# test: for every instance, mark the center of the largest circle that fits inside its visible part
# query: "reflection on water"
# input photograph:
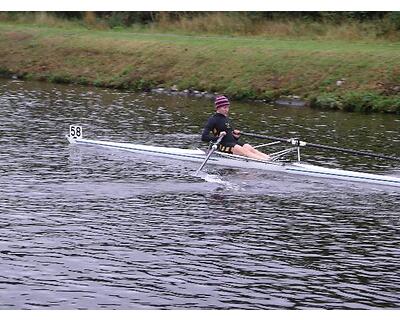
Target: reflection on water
(100, 229)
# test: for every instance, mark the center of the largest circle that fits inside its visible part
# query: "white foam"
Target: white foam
(215, 178)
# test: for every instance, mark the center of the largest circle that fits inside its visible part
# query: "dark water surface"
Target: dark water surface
(91, 228)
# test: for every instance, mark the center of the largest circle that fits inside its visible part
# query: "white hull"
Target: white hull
(242, 162)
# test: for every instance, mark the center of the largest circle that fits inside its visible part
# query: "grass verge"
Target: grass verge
(350, 76)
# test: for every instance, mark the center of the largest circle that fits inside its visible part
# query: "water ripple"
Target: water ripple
(86, 228)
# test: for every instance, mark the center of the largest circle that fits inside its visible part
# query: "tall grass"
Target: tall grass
(230, 23)
(39, 19)
(47, 19)
(235, 24)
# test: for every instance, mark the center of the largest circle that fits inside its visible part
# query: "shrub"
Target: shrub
(326, 101)
(59, 78)
(370, 102)
(4, 72)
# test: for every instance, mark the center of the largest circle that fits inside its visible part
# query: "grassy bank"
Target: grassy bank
(352, 76)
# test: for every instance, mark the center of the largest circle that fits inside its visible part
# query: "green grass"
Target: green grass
(242, 67)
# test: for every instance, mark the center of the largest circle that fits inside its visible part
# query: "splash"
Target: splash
(215, 178)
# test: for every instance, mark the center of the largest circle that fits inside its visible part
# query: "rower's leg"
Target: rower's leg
(255, 151)
(246, 152)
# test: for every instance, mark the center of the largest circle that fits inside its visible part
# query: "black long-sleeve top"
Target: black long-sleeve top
(216, 124)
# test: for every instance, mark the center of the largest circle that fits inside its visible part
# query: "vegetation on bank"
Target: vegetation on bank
(350, 25)
(330, 74)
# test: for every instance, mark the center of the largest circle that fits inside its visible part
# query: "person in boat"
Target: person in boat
(220, 125)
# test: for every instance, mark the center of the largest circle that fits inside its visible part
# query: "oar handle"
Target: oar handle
(216, 143)
(320, 146)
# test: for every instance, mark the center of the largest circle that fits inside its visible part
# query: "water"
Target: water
(89, 228)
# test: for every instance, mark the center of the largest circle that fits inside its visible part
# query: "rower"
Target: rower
(219, 124)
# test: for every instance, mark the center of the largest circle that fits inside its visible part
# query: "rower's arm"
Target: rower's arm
(207, 134)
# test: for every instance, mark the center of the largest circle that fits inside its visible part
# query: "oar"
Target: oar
(320, 146)
(213, 148)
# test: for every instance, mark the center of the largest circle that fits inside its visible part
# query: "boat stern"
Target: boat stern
(75, 133)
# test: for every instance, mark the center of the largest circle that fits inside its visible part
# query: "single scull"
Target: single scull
(227, 160)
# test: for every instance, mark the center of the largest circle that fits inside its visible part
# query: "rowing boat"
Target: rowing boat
(228, 160)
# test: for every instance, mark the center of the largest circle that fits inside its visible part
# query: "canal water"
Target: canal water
(90, 228)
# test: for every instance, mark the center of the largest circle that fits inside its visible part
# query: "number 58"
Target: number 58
(75, 131)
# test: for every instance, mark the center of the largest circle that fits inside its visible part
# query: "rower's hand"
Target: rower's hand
(222, 134)
(236, 133)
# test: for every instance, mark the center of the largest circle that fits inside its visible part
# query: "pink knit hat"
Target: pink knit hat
(221, 101)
